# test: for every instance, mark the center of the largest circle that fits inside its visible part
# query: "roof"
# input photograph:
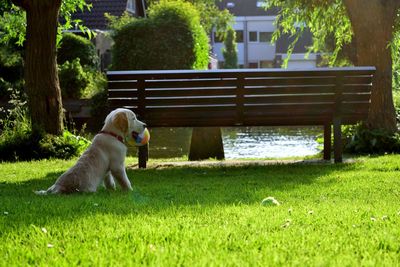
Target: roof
(246, 7)
(95, 19)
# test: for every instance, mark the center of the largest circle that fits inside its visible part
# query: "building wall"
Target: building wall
(301, 61)
(258, 54)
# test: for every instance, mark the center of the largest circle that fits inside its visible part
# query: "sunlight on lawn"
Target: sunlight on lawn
(330, 214)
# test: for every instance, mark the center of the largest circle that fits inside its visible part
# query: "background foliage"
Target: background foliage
(210, 15)
(73, 79)
(230, 50)
(74, 46)
(170, 38)
(327, 20)
(20, 142)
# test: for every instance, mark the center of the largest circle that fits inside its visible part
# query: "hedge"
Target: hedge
(170, 38)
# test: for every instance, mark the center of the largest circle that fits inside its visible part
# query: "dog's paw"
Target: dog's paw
(41, 192)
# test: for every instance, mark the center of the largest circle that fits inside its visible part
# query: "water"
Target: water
(242, 142)
(270, 142)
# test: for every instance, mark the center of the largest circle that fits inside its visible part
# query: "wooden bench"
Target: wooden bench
(246, 97)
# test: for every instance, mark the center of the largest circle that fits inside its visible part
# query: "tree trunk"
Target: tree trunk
(206, 143)
(372, 23)
(41, 77)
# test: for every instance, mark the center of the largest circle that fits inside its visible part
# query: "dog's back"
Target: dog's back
(87, 173)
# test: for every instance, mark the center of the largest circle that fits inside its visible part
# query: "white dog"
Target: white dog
(104, 159)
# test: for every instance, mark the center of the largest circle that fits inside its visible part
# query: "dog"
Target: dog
(104, 159)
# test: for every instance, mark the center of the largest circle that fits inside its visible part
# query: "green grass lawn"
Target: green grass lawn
(330, 215)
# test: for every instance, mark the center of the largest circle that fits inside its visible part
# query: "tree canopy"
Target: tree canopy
(13, 19)
(35, 25)
(210, 15)
(359, 31)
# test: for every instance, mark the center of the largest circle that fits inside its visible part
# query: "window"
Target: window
(130, 6)
(253, 65)
(239, 36)
(261, 4)
(265, 37)
(266, 64)
(253, 37)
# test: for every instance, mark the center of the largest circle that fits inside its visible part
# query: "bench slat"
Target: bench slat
(190, 92)
(122, 84)
(133, 93)
(189, 84)
(253, 121)
(177, 74)
(185, 101)
(129, 93)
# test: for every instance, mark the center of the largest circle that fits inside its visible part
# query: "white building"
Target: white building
(254, 27)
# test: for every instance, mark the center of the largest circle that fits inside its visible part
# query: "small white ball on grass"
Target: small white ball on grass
(270, 201)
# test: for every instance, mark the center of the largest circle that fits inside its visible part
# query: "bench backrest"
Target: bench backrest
(243, 96)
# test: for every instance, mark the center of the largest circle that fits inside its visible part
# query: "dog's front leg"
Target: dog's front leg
(119, 174)
(109, 182)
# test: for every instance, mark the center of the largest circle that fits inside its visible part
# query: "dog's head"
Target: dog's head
(125, 121)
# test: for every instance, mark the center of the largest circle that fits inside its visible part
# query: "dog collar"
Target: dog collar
(119, 138)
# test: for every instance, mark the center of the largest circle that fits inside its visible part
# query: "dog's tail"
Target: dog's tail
(51, 190)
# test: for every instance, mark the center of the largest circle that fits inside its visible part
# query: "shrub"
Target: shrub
(63, 147)
(73, 47)
(34, 145)
(361, 140)
(19, 142)
(99, 108)
(171, 38)
(73, 79)
(97, 83)
(230, 50)
(11, 70)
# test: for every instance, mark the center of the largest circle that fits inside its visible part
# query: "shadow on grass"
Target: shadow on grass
(159, 190)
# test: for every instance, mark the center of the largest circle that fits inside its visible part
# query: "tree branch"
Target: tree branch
(21, 3)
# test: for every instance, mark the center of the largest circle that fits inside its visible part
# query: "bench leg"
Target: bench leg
(143, 156)
(337, 139)
(327, 141)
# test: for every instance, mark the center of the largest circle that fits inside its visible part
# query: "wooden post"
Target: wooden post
(337, 120)
(337, 141)
(206, 142)
(327, 141)
(143, 153)
(239, 100)
(143, 156)
(141, 87)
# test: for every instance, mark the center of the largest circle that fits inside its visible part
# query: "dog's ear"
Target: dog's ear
(120, 121)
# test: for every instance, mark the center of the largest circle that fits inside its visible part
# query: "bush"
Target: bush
(34, 145)
(63, 147)
(73, 79)
(230, 50)
(73, 47)
(11, 70)
(99, 108)
(171, 38)
(97, 83)
(19, 142)
(361, 140)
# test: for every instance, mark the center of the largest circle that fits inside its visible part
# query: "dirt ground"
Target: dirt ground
(230, 163)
